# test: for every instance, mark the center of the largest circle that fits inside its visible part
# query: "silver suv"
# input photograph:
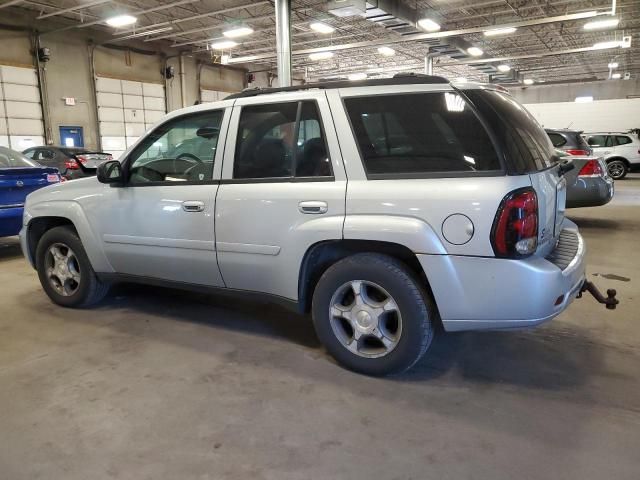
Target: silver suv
(621, 151)
(384, 208)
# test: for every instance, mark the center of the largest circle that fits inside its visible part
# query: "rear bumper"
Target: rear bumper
(474, 293)
(590, 192)
(10, 221)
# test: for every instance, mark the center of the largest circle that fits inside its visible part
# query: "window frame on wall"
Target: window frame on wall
(292, 177)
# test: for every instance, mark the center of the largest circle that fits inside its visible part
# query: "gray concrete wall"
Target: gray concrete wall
(603, 90)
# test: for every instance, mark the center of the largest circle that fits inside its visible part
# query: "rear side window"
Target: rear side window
(410, 135)
(622, 140)
(525, 142)
(557, 140)
(601, 141)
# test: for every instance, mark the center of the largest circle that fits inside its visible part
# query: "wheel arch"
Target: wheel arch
(617, 157)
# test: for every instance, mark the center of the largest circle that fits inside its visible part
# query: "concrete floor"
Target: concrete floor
(159, 384)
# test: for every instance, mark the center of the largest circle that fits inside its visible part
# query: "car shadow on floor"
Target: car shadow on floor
(9, 248)
(547, 358)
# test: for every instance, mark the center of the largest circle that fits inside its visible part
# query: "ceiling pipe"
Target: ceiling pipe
(71, 9)
(10, 3)
(425, 36)
(283, 41)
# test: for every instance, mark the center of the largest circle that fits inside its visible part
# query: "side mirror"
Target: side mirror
(110, 172)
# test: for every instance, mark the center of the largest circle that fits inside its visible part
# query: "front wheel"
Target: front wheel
(617, 169)
(372, 314)
(64, 270)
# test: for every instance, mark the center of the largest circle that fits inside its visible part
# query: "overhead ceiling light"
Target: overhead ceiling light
(503, 68)
(428, 25)
(601, 24)
(320, 55)
(474, 51)
(121, 21)
(613, 65)
(460, 80)
(223, 45)
(528, 81)
(605, 45)
(357, 76)
(616, 76)
(586, 99)
(386, 51)
(499, 31)
(322, 27)
(239, 31)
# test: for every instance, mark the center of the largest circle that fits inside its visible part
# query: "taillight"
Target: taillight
(71, 164)
(591, 169)
(82, 159)
(577, 152)
(515, 229)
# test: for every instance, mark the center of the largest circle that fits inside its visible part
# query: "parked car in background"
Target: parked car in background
(588, 184)
(569, 141)
(19, 176)
(71, 162)
(620, 150)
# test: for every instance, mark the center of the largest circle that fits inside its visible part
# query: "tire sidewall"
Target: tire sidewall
(624, 166)
(413, 310)
(87, 276)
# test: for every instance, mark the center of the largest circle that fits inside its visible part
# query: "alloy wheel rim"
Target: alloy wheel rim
(365, 318)
(615, 170)
(62, 269)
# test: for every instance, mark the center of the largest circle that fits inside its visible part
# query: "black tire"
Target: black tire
(617, 169)
(89, 290)
(415, 306)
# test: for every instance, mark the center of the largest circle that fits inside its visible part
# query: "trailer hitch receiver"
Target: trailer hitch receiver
(610, 300)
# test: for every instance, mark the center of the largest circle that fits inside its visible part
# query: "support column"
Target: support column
(428, 64)
(283, 41)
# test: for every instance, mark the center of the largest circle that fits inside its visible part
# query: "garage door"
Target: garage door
(126, 109)
(20, 110)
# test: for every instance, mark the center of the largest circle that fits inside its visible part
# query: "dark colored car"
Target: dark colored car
(19, 176)
(71, 162)
(569, 141)
(588, 184)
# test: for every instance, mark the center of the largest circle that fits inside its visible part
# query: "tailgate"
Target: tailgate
(17, 183)
(551, 190)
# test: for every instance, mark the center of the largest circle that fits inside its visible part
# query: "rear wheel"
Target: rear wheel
(372, 314)
(64, 270)
(617, 169)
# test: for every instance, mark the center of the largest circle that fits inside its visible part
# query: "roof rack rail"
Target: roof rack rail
(398, 79)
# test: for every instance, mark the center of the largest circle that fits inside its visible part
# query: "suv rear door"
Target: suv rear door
(282, 190)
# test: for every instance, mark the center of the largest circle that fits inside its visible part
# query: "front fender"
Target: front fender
(72, 211)
(413, 233)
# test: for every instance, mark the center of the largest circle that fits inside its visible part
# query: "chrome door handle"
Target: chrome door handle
(193, 206)
(313, 207)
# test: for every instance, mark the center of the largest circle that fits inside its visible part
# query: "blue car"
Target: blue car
(19, 176)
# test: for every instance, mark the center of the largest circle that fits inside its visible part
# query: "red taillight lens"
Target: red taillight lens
(591, 169)
(577, 152)
(515, 228)
(82, 159)
(71, 164)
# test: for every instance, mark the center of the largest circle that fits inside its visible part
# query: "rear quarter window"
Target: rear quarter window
(420, 134)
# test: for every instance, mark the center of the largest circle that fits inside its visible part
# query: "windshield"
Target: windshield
(525, 142)
(12, 159)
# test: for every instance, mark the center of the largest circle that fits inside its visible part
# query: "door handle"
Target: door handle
(193, 206)
(313, 207)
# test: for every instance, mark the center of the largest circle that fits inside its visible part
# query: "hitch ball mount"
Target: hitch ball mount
(610, 301)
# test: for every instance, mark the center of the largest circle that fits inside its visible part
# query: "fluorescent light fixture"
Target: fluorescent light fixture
(454, 102)
(320, 55)
(503, 68)
(224, 59)
(616, 76)
(499, 31)
(239, 31)
(613, 65)
(357, 76)
(585, 99)
(605, 45)
(223, 45)
(474, 51)
(121, 21)
(461, 80)
(386, 51)
(428, 25)
(528, 81)
(322, 27)
(601, 24)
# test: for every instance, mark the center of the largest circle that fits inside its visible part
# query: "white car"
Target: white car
(383, 208)
(621, 151)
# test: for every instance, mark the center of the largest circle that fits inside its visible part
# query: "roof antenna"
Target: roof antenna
(569, 126)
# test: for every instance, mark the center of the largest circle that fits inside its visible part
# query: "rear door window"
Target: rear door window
(413, 135)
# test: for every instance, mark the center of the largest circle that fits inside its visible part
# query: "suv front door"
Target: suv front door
(283, 189)
(160, 224)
